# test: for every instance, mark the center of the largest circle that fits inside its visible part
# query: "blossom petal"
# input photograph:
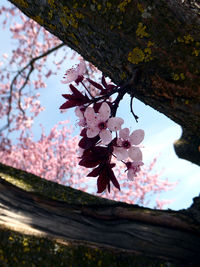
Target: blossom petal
(130, 174)
(81, 68)
(73, 73)
(114, 124)
(124, 133)
(105, 136)
(104, 111)
(79, 113)
(90, 116)
(135, 153)
(92, 132)
(70, 76)
(120, 153)
(136, 137)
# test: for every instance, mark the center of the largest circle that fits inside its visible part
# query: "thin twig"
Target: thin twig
(120, 96)
(87, 90)
(131, 107)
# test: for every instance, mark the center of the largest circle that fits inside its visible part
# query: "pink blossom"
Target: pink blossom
(79, 111)
(75, 74)
(98, 123)
(126, 145)
(133, 168)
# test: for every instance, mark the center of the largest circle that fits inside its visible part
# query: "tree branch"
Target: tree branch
(29, 66)
(80, 218)
(159, 38)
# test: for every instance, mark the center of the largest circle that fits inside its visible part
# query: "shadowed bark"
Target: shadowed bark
(158, 40)
(33, 209)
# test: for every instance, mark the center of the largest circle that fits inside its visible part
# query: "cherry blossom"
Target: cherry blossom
(79, 111)
(133, 168)
(101, 124)
(126, 145)
(75, 73)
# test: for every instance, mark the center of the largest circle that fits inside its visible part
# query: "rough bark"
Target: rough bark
(160, 40)
(37, 215)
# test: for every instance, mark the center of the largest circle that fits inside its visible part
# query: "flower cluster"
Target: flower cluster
(99, 124)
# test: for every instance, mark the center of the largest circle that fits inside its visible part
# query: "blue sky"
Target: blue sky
(160, 133)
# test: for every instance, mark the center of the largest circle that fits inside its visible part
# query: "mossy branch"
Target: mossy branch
(159, 38)
(66, 219)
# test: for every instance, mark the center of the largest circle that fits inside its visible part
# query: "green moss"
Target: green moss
(79, 15)
(38, 19)
(32, 183)
(70, 17)
(64, 22)
(21, 3)
(52, 3)
(17, 249)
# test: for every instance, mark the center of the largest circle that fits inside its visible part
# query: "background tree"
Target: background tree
(153, 46)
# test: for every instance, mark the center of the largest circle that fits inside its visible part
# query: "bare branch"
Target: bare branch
(131, 107)
(30, 65)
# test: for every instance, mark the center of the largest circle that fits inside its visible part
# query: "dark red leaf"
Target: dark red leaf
(103, 80)
(68, 104)
(94, 156)
(71, 104)
(109, 187)
(66, 96)
(83, 132)
(76, 94)
(89, 163)
(102, 152)
(102, 182)
(87, 143)
(97, 85)
(74, 99)
(75, 91)
(89, 159)
(113, 179)
(95, 172)
(97, 106)
(111, 87)
(79, 79)
(112, 165)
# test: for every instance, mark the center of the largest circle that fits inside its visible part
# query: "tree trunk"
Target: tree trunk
(37, 216)
(159, 40)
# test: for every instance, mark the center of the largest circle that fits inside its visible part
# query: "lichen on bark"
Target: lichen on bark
(159, 39)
